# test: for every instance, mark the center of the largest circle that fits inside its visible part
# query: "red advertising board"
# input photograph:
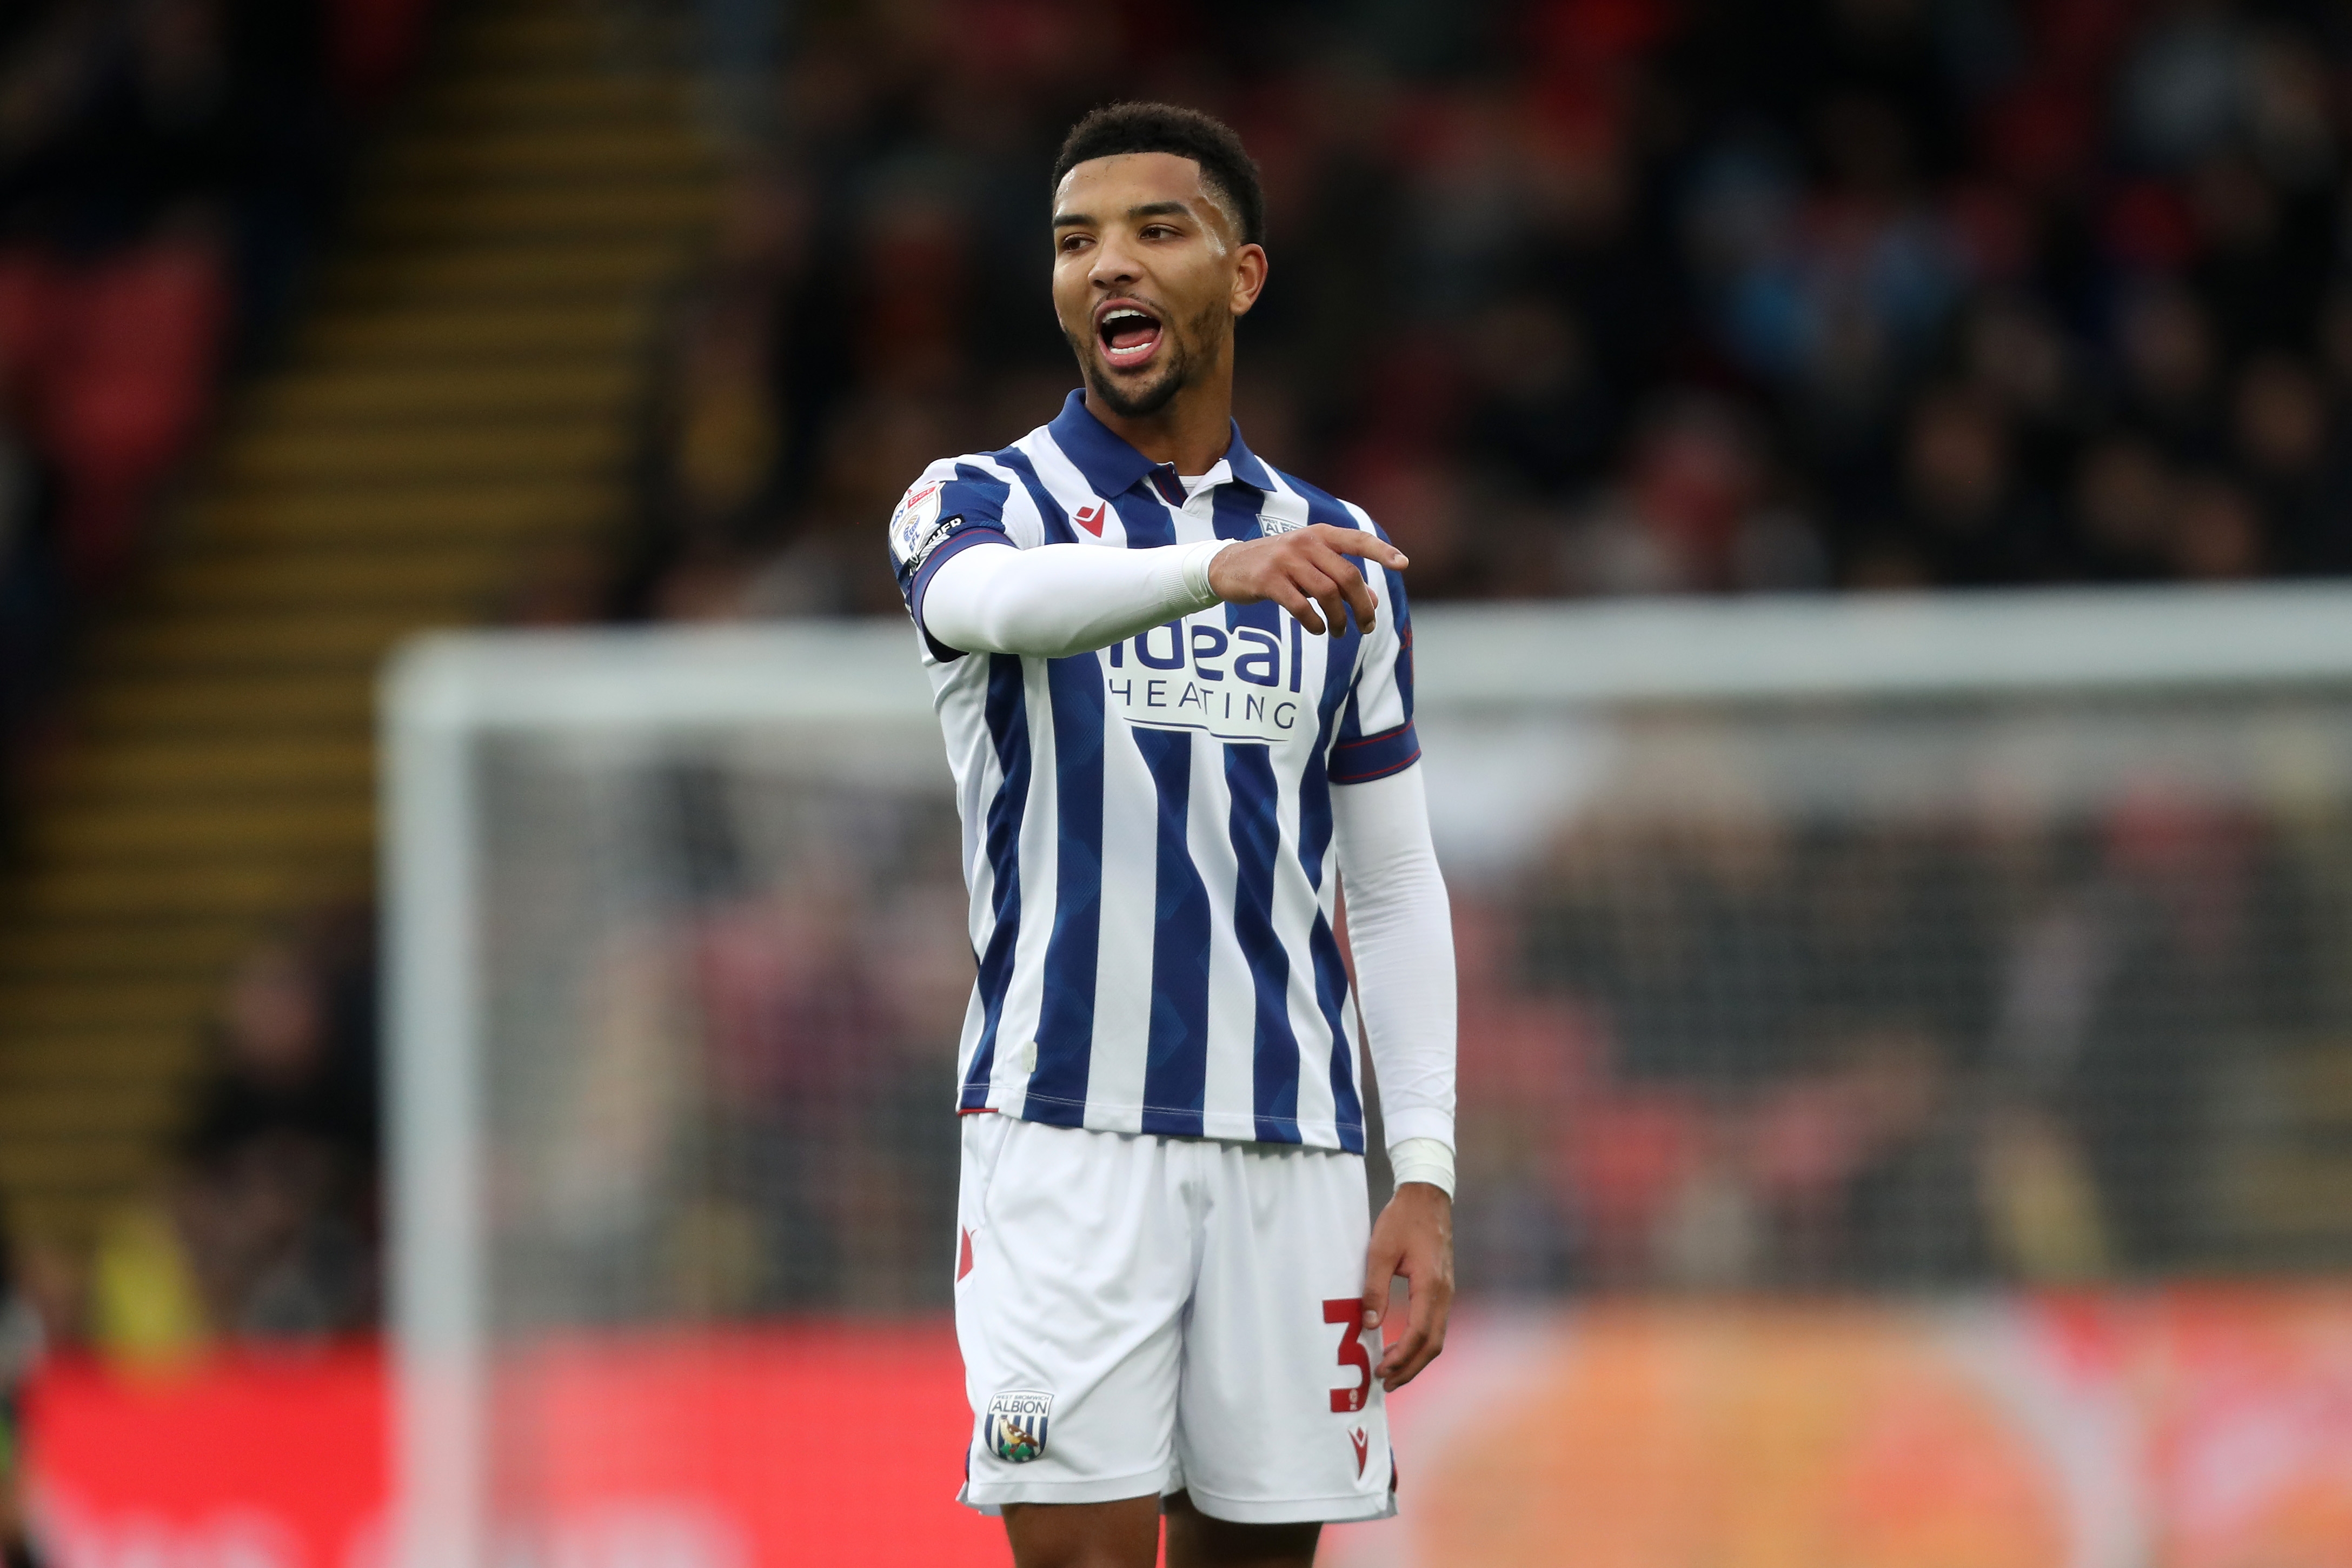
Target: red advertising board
(275, 1461)
(2183, 1429)
(797, 1444)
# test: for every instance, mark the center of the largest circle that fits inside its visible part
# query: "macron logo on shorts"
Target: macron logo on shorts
(1016, 1425)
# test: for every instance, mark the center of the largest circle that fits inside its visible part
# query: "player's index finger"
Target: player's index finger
(1364, 542)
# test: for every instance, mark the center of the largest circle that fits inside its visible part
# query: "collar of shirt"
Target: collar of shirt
(1113, 468)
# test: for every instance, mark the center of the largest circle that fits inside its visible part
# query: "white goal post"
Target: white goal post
(1497, 679)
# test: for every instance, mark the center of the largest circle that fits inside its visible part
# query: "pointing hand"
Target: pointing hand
(1303, 569)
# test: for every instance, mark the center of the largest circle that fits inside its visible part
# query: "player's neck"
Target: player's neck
(1192, 431)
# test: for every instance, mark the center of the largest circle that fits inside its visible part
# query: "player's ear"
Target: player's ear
(1249, 276)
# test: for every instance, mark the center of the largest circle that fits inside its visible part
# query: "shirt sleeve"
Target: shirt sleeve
(1062, 599)
(954, 507)
(1401, 931)
(1376, 736)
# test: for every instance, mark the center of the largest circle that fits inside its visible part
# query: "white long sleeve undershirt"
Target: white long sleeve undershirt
(1056, 600)
(1401, 930)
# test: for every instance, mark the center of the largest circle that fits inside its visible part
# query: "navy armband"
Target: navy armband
(1371, 757)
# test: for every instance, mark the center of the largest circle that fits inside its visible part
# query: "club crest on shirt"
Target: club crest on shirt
(916, 529)
(1015, 1429)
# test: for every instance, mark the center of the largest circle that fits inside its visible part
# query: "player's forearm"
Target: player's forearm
(1061, 599)
(1400, 929)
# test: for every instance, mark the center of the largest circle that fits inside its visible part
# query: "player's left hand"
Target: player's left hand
(1413, 1241)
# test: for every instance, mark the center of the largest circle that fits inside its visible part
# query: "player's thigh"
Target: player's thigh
(1073, 1266)
(1123, 1534)
(1280, 1420)
(1197, 1541)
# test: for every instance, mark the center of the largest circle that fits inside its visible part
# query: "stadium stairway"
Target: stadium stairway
(456, 405)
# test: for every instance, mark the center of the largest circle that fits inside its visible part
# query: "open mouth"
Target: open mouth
(1130, 333)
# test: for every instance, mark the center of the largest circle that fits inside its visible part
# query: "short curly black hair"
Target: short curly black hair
(1227, 170)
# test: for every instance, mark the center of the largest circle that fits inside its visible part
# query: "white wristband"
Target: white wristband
(1196, 561)
(1422, 1160)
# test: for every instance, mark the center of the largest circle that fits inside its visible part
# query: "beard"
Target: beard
(1178, 370)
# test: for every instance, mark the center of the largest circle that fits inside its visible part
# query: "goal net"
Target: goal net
(1805, 945)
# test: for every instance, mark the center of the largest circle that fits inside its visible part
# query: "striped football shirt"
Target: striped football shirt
(1147, 830)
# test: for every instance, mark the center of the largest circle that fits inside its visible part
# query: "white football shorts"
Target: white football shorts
(1144, 1315)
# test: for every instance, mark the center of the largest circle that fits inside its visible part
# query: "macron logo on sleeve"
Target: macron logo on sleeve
(1090, 518)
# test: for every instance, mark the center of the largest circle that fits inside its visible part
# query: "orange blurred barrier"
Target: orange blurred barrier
(2186, 1428)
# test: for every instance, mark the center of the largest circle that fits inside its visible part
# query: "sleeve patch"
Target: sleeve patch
(917, 528)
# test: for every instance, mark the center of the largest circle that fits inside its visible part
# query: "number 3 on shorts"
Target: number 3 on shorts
(1348, 1314)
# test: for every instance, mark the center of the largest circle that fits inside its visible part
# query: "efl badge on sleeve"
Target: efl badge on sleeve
(915, 530)
(1016, 1425)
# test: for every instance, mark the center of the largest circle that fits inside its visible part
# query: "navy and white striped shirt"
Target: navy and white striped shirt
(1148, 830)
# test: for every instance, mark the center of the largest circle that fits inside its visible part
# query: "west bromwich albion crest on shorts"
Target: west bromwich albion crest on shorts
(1016, 1425)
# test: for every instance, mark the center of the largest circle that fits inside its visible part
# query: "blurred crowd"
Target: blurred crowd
(735, 1101)
(167, 171)
(1578, 295)
(1700, 1049)
(1744, 1053)
(266, 1221)
(1736, 1042)
(167, 168)
(276, 1200)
